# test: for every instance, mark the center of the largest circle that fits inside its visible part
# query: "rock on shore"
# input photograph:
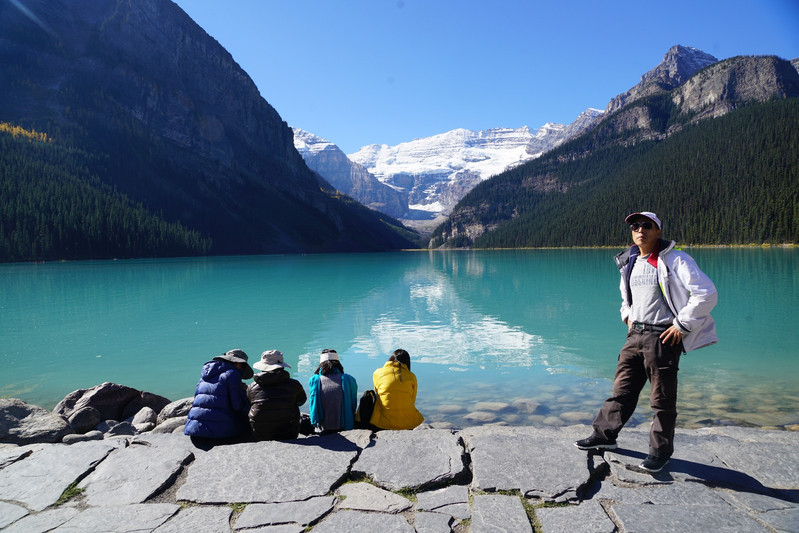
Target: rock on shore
(480, 479)
(106, 410)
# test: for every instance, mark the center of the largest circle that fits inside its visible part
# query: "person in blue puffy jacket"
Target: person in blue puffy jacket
(220, 406)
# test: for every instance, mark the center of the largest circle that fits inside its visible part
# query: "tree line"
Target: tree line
(729, 180)
(53, 207)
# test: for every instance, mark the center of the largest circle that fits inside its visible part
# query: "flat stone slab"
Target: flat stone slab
(717, 518)
(283, 528)
(418, 459)
(715, 459)
(120, 519)
(495, 512)
(198, 520)
(361, 521)
(11, 453)
(452, 501)
(782, 520)
(678, 493)
(432, 523)
(540, 462)
(10, 513)
(366, 497)
(434, 499)
(133, 474)
(44, 521)
(760, 455)
(39, 479)
(302, 513)
(588, 517)
(268, 471)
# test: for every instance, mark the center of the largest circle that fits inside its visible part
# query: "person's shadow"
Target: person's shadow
(714, 476)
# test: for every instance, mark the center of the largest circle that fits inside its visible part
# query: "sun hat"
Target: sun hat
(646, 214)
(237, 356)
(328, 355)
(271, 360)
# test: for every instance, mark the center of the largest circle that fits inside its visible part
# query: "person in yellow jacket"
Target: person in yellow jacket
(396, 387)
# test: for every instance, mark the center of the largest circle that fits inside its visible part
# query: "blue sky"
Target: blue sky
(387, 71)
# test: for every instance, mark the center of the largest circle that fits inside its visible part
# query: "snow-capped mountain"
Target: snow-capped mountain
(352, 179)
(436, 172)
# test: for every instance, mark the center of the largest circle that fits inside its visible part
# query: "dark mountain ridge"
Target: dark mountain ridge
(516, 207)
(178, 125)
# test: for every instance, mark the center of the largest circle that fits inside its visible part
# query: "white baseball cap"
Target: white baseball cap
(646, 214)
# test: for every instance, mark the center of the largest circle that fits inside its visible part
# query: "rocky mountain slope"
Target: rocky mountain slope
(349, 177)
(173, 122)
(679, 64)
(603, 168)
(711, 92)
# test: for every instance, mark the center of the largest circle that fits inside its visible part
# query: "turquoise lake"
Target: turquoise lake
(522, 337)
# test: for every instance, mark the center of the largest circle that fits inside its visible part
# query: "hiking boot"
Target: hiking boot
(654, 464)
(596, 443)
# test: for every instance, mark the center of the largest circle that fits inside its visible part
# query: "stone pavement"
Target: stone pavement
(487, 478)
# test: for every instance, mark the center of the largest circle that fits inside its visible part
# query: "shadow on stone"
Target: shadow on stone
(708, 474)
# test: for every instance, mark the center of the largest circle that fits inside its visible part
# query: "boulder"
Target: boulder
(21, 423)
(85, 419)
(144, 420)
(121, 429)
(145, 399)
(109, 399)
(170, 425)
(106, 425)
(76, 437)
(177, 408)
(144, 415)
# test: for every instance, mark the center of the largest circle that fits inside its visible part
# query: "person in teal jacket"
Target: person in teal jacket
(333, 395)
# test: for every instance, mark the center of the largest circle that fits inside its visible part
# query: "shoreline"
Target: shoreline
(596, 247)
(477, 479)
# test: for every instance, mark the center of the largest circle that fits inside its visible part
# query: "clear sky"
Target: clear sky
(361, 72)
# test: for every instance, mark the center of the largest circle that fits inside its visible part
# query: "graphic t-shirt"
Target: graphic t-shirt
(649, 306)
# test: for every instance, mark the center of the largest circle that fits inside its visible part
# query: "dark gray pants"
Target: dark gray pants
(644, 357)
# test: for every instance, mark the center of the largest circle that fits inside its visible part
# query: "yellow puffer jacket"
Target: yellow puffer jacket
(395, 386)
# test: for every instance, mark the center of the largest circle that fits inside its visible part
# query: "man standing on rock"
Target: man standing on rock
(666, 304)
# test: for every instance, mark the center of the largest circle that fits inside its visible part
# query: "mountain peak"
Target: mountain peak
(679, 64)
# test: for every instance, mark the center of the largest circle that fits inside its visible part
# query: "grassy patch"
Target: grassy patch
(530, 509)
(238, 507)
(70, 492)
(407, 493)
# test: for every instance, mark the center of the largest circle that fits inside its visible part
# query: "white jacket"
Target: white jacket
(689, 293)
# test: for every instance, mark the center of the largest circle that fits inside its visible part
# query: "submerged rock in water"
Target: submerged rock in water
(491, 406)
(480, 416)
(528, 405)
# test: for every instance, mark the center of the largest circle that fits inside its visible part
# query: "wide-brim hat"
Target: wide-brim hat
(237, 356)
(271, 360)
(646, 214)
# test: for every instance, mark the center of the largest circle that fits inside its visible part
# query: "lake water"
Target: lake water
(521, 337)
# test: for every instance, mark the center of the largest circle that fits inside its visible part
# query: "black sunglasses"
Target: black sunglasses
(645, 225)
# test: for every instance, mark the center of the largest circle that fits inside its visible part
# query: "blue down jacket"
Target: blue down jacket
(220, 406)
